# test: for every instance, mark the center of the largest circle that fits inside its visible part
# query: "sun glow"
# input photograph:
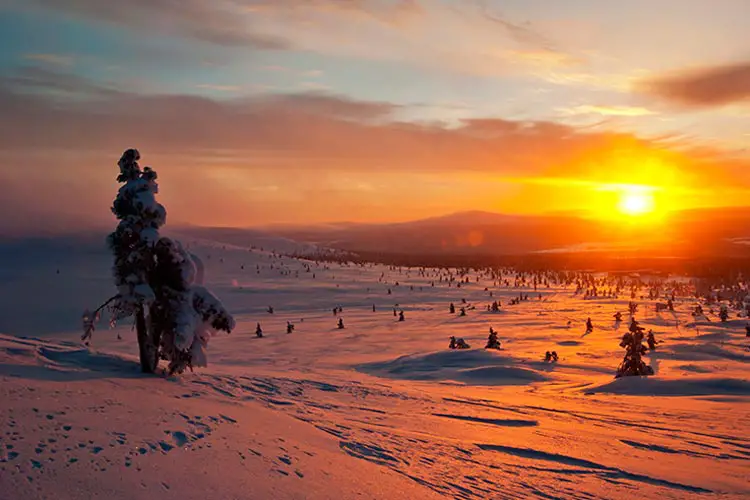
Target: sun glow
(636, 203)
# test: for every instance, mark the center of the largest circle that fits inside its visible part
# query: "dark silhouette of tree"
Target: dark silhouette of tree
(158, 281)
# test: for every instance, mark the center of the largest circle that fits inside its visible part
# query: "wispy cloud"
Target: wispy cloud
(703, 87)
(54, 59)
(545, 58)
(523, 33)
(315, 86)
(274, 68)
(223, 22)
(219, 88)
(309, 73)
(590, 80)
(220, 22)
(586, 183)
(467, 36)
(387, 11)
(51, 81)
(588, 109)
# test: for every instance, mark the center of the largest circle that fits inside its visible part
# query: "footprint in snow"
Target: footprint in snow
(165, 447)
(180, 438)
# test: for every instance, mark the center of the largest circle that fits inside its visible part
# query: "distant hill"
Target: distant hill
(697, 232)
(244, 238)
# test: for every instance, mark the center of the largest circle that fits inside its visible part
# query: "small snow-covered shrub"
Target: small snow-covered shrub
(633, 364)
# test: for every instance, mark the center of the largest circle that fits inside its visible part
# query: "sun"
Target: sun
(636, 203)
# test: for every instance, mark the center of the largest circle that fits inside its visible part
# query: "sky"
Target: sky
(257, 112)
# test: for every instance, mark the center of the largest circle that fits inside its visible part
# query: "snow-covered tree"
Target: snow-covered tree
(157, 281)
(633, 364)
(140, 217)
(185, 312)
(492, 341)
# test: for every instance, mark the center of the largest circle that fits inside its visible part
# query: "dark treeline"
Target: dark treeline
(715, 269)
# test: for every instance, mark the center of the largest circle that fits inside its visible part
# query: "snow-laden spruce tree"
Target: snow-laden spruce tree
(185, 312)
(156, 279)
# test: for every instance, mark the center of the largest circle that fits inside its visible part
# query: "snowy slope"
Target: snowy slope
(380, 409)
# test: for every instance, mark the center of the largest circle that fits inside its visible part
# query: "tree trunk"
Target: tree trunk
(155, 329)
(148, 345)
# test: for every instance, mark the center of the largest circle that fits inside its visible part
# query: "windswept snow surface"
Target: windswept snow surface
(380, 409)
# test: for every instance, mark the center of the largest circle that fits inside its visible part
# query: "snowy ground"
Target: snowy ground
(380, 409)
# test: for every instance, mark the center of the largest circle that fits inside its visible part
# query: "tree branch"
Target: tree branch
(109, 300)
(89, 322)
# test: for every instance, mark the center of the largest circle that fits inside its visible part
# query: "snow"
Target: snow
(475, 367)
(380, 409)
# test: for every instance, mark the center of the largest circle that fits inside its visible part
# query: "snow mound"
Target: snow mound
(693, 386)
(708, 352)
(63, 361)
(475, 367)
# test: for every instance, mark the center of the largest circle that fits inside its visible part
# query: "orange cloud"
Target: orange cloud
(712, 86)
(313, 156)
(309, 128)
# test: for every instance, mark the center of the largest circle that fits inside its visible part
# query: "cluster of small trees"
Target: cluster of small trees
(459, 343)
(158, 282)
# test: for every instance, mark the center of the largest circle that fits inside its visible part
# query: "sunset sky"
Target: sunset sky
(305, 111)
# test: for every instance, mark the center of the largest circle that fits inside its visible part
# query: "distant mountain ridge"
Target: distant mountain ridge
(690, 232)
(704, 232)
